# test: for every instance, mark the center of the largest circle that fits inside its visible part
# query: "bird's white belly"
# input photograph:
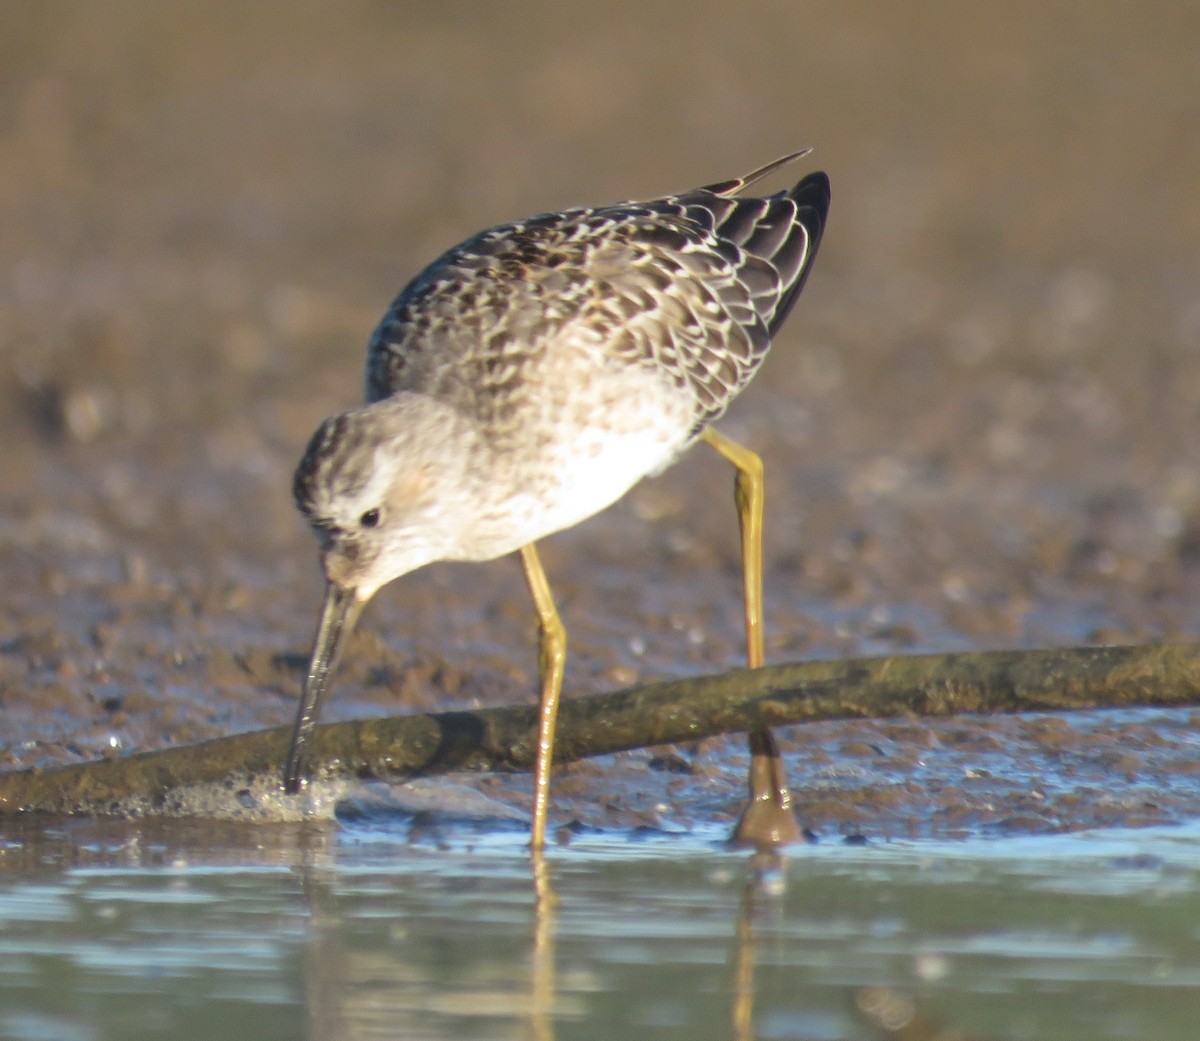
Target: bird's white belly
(580, 478)
(597, 469)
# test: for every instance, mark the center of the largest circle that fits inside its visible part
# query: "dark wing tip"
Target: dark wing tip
(813, 193)
(812, 196)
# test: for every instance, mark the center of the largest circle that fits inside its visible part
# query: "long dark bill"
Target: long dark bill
(341, 611)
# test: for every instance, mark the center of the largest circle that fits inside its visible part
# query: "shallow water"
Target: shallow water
(130, 931)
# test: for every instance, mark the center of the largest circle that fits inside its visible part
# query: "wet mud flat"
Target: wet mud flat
(979, 427)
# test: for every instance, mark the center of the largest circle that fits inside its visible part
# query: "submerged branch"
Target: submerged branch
(402, 747)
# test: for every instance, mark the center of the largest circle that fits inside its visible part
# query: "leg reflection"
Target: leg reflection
(541, 991)
(761, 893)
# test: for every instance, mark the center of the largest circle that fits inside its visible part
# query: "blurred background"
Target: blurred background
(979, 424)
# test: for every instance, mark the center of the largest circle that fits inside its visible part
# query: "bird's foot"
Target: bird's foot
(768, 820)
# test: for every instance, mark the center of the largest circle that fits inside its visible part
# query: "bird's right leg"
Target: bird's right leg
(768, 819)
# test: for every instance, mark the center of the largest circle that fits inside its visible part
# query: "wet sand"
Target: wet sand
(979, 425)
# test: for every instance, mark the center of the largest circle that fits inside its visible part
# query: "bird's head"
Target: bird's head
(378, 486)
(382, 487)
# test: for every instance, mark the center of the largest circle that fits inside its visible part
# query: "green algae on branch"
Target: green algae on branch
(403, 747)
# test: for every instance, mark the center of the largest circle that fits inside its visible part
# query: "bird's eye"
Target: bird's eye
(369, 519)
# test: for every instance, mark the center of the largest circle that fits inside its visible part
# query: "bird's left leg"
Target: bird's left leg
(768, 819)
(552, 656)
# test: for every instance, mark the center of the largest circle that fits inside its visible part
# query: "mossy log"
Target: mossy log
(403, 747)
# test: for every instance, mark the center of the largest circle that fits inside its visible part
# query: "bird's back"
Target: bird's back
(688, 290)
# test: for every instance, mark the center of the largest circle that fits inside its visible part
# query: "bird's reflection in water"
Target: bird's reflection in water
(760, 897)
(542, 986)
(897, 1018)
(361, 986)
(890, 1014)
(355, 988)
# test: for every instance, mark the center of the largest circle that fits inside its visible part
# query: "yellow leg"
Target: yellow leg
(748, 498)
(768, 819)
(552, 656)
